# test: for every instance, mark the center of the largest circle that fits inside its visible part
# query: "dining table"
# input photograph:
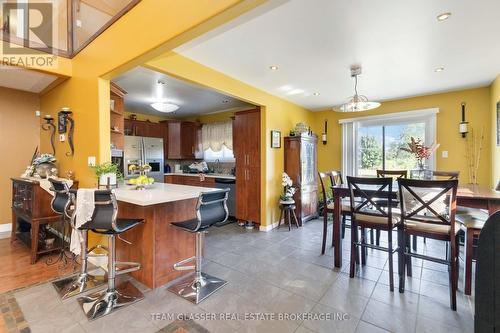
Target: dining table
(471, 196)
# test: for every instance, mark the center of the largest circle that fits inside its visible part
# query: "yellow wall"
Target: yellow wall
(144, 117)
(495, 151)
(277, 114)
(448, 118)
(18, 140)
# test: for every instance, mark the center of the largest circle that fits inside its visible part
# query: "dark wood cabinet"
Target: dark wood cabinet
(302, 166)
(31, 210)
(116, 116)
(144, 128)
(183, 140)
(246, 146)
(192, 180)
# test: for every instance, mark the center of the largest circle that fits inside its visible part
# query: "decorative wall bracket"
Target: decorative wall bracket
(49, 126)
(63, 120)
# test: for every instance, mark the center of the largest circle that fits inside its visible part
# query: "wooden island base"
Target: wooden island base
(156, 244)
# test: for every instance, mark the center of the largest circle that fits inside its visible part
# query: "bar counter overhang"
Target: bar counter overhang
(156, 244)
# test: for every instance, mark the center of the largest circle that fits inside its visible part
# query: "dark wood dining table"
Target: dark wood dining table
(472, 196)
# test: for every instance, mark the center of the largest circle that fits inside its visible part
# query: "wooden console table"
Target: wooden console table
(31, 206)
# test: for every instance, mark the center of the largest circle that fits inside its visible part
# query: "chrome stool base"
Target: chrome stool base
(104, 302)
(196, 290)
(77, 284)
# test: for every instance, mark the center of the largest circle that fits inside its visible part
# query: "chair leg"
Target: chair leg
(469, 238)
(401, 259)
(343, 225)
(453, 277)
(415, 243)
(377, 237)
(354, 250)
(391, 268)
(288, 214)
(363, 249)
(408, 258)
(325, 231)
(371, 237)
(295, 219)
(281, 216)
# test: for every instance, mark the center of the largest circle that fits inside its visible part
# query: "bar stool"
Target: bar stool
(287, 211)
(83, 281)
(60, 205)
(104, 221)
(210, 209)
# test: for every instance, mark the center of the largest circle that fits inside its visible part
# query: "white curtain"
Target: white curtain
(215, 135)
(348, 149)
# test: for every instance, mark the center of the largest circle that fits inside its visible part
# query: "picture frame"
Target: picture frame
(498, 123)
(275, 139)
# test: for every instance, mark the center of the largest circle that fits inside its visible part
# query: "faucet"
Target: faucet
(217, 166)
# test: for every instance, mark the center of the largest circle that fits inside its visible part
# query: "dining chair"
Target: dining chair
(445, 174)
(367, 212)
(392, 174)
(428, 209)
(335, 178)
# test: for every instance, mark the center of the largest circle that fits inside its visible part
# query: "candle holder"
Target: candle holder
(65, 119)
(49, 126)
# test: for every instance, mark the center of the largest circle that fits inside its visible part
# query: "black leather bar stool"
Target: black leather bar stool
(104, 221)
(83, 281)
(60, 204)
(211, 209)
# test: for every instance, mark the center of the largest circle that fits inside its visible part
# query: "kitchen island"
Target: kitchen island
(157, 245)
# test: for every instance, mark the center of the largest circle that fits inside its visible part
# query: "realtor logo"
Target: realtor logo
(27, 28)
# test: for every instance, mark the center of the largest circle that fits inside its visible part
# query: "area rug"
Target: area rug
(183, 326)
(12, 320)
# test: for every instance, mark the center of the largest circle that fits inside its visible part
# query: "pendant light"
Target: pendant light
(357, 102)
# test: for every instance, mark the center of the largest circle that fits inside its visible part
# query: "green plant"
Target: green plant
(107, 167)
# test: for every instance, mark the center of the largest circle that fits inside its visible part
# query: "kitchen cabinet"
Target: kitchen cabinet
(190, 180)
(184, 140)
(144, 128)
(302, 166)
(246, 146)
(116, 116)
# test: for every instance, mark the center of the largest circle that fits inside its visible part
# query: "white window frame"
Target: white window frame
(207, 157)
(351, 126)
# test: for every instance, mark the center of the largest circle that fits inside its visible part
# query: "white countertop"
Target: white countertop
(158, 193)
(210, 175)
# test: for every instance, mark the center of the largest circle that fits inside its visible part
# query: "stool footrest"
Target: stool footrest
(134, 266)
(180, 265)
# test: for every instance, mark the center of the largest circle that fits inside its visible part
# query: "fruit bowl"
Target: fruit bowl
(142, 182)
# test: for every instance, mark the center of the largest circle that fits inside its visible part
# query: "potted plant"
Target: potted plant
(288, 189)
(108, 171)
(421, 153)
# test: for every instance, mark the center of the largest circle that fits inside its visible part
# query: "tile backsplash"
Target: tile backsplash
(226, 167)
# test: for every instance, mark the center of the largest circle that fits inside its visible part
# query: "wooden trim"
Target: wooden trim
(248, 111)
(117, 90)
(70, 24)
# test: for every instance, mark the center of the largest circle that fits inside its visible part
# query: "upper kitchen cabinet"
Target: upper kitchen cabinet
(184, 140)
(144, 128)
(116, 115)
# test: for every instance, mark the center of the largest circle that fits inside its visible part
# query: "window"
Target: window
(375, 142)
(224, 155)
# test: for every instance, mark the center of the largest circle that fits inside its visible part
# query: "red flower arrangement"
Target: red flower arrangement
(421, 152)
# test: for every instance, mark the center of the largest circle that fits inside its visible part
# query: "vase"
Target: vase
(287, 201)
(44, 170)
(103, 179)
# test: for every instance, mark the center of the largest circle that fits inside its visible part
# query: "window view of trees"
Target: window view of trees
(379, 147)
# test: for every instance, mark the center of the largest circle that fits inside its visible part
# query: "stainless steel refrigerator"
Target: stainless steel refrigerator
(142, 150)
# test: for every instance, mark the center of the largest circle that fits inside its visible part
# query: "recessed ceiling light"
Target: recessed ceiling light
(316, 94)
(165, 107)
(225, 101)
(273, 68)
(161, 82)
(443, 17)
(439, 69)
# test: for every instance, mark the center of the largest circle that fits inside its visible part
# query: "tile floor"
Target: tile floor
(279, 272)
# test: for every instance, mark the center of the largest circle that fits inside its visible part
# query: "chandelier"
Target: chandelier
(357, 102)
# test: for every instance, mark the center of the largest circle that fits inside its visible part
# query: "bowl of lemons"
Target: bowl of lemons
(142, 182)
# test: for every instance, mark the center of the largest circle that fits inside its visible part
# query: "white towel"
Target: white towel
(85, 203)
(46, 185)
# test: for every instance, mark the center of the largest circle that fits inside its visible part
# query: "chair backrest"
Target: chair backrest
(429, 201)
(392, 173)
(212, 208)
(336, 177)
(366, 191)
(61, 200)
(445, 174)
(105, 212)
(323, 176)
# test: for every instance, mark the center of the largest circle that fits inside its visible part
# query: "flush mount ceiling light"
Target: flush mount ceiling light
(165, 107)
(357, 102)
(273, 68)
(439, 69)
(443, 17)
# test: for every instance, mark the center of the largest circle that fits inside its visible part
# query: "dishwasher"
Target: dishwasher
(224, 183)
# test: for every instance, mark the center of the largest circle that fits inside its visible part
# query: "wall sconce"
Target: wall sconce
(63, 120)
(463, 124)
(49, 126)
(497, 188)
(324, 135)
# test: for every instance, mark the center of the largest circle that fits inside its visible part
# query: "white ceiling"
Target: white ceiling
(142, 87)
(23, 79)
(314, 42)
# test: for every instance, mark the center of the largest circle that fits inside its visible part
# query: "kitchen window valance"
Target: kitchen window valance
(214, 135)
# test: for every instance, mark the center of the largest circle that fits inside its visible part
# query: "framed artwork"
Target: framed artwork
(275, 139)
(498, 123)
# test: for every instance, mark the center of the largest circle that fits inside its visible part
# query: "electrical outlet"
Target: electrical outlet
(37, 113)
(444, 154)
(62, 137)
(91, 161)
(79, 23)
